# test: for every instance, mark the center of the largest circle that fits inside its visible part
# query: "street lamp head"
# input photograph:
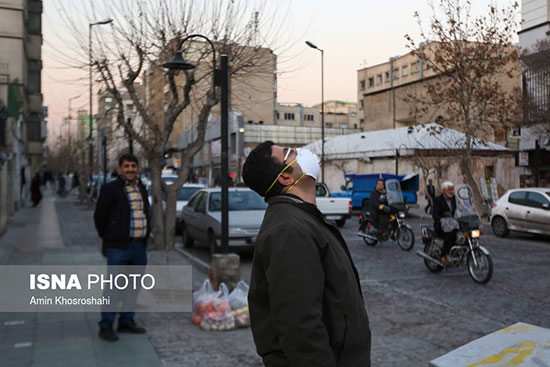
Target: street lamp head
(310, 44)
(178, 63)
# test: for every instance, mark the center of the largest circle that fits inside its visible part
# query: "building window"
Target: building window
(379, 79)
(308, 117)
(34, 19)
(362, 104)
(250, 121)
(278, 116)
(355, 126)
(387, 76)
(328, 125)
(405, 70)
(414, 67)
(34, 132)
(396, 73)
(34, 71)
(289, 116)
(260, 122)
(362, 84)
(361, 122)
(371, 82)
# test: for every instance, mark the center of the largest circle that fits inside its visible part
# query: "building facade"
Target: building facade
(339, 114)
(534, 40)
(253, 86)
(382, 90)
(243, 137)
(22, 115)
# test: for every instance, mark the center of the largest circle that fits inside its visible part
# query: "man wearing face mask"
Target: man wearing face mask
(305, 300)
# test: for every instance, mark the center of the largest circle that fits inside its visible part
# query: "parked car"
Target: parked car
(336, 209)
(201, 218)
(184, 194)
(522, 210)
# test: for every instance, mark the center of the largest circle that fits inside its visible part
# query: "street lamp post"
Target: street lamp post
(221, 79)
(90, 118)
(69, 128)
(322, 110)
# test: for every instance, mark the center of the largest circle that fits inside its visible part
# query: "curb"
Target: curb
(195, 261)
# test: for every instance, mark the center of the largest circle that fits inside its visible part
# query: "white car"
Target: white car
(522, 210)
(184, 194)
(201, 218)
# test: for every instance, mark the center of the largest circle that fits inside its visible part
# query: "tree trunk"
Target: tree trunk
(158, 215)
(170, 215)
(466, 170)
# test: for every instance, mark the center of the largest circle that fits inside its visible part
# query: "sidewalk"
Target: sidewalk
(35, 237)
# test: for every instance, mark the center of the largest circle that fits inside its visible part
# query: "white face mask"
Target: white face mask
(309, 162)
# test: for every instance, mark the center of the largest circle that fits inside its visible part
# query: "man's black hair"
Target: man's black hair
(260, 170)
(128, 157)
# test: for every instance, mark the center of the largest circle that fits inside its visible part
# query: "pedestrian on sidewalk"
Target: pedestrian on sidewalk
(305, 300)
(123, 221)
(36, 195)
(430, 196)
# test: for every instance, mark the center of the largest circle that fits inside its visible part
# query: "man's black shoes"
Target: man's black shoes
(130, 327)
(108, 334)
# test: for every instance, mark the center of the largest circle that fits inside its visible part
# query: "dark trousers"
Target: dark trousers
(449, 239)
(383, 220)
(135, 254)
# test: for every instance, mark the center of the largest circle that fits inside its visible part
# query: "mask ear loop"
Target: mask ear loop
(276, 178)
(295, 183)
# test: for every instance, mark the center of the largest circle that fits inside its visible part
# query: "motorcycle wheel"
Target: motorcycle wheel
(483, 272)
(405, 238)
(433, 251)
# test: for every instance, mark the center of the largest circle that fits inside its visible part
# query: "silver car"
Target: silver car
(522, 210)
(201, 217)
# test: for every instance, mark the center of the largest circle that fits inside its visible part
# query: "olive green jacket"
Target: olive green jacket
(305, 300)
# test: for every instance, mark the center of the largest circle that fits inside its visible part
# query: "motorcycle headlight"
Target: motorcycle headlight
(475, 233)
(401, 214)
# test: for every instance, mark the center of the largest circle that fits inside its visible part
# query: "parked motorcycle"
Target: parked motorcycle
(467, 249)
(397, 229)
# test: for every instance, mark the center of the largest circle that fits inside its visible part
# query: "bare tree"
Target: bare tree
(143, 36)
(475, 66)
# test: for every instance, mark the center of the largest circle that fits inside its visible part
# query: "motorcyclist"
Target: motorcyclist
(378, 204)
(444, 207)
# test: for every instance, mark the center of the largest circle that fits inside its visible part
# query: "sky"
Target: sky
(353, 34)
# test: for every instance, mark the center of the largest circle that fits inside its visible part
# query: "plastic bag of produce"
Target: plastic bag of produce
(201, 298)
(238, 300)
(214, 311)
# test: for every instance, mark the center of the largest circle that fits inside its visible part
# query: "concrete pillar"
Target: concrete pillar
(225, 268)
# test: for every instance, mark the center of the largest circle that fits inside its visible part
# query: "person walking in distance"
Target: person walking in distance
(123, 222)
(430, 196)
(305, 299)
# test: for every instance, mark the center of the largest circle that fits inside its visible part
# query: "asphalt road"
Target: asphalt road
(417, 316)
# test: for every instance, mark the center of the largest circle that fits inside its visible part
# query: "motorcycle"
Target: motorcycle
(397, 229)
(467, 249)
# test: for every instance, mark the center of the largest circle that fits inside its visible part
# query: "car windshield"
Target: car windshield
(185, 193)
(238, 200)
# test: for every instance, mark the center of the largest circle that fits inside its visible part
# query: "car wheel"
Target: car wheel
(500, 228)
(185, 238)
(212, 243)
